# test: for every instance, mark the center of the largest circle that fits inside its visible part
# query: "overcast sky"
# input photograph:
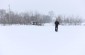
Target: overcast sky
(60, 7)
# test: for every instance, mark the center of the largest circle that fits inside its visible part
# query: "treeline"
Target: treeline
(35, 18)
(26, 18)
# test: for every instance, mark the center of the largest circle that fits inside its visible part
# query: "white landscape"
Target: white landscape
(42, 40)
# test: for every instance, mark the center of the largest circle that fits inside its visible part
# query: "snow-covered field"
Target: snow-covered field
(42, 40)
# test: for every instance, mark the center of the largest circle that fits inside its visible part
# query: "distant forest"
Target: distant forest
(35, 18)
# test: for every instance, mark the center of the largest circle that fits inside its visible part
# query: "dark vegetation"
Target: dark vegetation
(34, 18)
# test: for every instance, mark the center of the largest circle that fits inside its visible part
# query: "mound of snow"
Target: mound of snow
(49, 24)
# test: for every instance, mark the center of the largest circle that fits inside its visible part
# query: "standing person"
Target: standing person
(56, 25)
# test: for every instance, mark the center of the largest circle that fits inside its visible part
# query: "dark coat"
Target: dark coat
(56, 23)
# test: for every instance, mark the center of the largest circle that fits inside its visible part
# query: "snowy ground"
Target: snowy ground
(42, 40)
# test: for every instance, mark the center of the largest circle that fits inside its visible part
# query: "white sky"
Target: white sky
(60, 7)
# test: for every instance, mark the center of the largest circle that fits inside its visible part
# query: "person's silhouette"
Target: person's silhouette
(56, 25)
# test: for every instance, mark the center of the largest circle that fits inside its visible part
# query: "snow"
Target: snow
(42, 40)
